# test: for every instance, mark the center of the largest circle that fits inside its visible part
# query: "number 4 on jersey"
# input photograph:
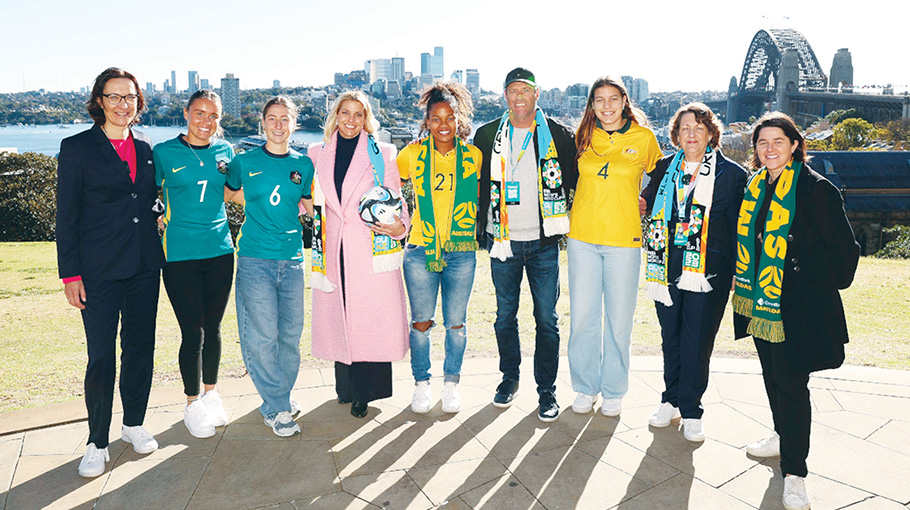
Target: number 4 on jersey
(603, 171)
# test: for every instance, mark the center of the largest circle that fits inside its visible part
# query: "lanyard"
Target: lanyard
(524, 144)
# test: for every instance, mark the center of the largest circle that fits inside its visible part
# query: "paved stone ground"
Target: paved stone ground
(481, 457)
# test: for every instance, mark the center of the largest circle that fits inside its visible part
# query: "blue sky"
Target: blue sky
(63, 45)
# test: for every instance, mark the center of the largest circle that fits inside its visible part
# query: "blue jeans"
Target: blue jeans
(541, 263)
(456, 280)
(603, 291)
(270, 307)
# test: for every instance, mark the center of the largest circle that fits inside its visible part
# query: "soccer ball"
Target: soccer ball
(380, 205)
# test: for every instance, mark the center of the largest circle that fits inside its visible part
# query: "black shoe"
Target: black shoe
(358, 409)
(549, 409)
(343, 401)
(505, 393)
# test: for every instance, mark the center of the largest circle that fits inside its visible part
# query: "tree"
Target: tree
(899, 247)
(896, 132)
(28, 197)
(851, 134)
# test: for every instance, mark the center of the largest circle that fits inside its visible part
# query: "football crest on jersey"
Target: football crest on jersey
(295, 177)
(222, 166)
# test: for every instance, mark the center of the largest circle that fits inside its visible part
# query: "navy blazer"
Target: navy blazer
(729, 188)
(106, 228)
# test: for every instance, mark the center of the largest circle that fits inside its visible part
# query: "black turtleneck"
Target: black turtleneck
(344, 152)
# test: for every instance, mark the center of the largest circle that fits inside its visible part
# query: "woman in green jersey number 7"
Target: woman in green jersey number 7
(191, 170)
(275, 180)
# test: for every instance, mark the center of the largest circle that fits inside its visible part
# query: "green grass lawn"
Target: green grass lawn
(43, 354)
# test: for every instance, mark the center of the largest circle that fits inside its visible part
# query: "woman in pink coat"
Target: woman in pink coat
(359, 312)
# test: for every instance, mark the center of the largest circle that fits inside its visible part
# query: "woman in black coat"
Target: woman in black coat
(796, 249)
(109, 256)
(689, 275)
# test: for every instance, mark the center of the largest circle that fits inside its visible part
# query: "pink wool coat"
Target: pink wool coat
(370, 323)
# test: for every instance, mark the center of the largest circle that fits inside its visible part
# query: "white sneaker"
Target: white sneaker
(451, 400)
(197, 419)
(767, 447)
(795, 495)
(666, 413)
(215, 406)
(283, 425)
(692, 430)
(142, 441)
(423, 398)
(584, 403)
(92, 464)
(611, 407)
(295, 408)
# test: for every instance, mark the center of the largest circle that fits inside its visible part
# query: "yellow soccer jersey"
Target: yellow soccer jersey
(442, 187)
(605, 210)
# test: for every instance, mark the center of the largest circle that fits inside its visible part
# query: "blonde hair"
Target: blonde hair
(370, 124)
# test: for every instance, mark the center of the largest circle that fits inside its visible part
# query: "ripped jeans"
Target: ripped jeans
(456, 281)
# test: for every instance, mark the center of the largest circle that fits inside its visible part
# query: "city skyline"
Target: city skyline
(306, 45)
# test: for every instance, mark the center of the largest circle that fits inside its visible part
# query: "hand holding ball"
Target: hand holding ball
(380, 205)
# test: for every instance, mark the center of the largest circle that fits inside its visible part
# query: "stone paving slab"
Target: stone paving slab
(481, 457)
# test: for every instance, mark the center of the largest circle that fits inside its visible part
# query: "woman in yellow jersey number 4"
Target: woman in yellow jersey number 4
(615, 150)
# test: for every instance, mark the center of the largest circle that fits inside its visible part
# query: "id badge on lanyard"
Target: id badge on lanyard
(513, 189)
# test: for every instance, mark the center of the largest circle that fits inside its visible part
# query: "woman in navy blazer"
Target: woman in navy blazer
(109, 256)
(690, 319)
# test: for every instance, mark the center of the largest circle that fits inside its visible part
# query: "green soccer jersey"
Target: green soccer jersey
(272, 188)
(192, 179)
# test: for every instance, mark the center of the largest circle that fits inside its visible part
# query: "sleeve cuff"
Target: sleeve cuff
(72, 279)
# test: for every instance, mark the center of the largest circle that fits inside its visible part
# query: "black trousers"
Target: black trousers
(788, 394)
(363, 381)
(133, 303)
(688, 329)
(199, 291)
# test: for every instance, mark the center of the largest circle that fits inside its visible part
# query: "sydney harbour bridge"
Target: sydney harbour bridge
(782, 73)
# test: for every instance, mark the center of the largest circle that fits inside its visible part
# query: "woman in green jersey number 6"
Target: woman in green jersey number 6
(191, 170)
(275, 180)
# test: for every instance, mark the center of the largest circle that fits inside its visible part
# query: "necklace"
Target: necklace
(193, 150)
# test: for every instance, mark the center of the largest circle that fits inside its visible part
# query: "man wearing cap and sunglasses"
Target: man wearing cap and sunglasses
(525, 183)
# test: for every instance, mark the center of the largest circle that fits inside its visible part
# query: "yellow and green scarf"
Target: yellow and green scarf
(464, 203)
(759, 298)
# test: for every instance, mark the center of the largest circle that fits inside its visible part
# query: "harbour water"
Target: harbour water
(45, 139)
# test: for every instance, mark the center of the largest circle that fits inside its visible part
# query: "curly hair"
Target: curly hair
(457, 97)
(703, 116)
(93, 105)
(585, 133)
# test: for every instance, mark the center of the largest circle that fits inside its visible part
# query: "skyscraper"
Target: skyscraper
(425, 59)
(204, 84)
(397, 69)
(380, 69)
(472, 80)
(193, 81)
(437, 67)
(230, 95)
(173, 89)
(458, 76)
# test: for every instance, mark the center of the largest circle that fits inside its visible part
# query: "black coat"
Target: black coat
(106, 229)
(822, 255)
(729, 186)
(563, 139)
